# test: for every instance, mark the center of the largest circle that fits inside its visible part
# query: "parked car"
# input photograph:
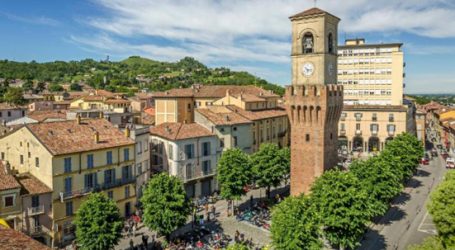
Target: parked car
(450, 163)
(424, 161)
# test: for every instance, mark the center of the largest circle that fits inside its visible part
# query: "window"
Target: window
(358, 116)
(29, 154)
(1, 113)
(146, 146)
(139, 168)
(342, 126)
(308, 43)
(330, 43)
(69, 208)
(221, 130)
(390, 128)
(374, 128)
(391, 118)
(189, 105)
(23, 113)
(189, 151)
(307, 137)
(127, 191)
(206, 167)
(109, 176)
(170, 152)
(21, 159)
(343, 116)
(67, 165)
(357, 126)
(9, 113)
(126, 154)
(109, 157)
(139, 148)
(3, 155)
(374, 117)
(8, 201)
(189, 171)
(37, 162)
(110, 195)
(90, 180)
(234, 128)
(235, 141)
(205, 148)
(126, 172)
(35, 200)
(68, 184)
(90, 161)
(222, 143)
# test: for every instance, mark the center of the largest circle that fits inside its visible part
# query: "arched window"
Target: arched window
(330, 41)
(308, 43)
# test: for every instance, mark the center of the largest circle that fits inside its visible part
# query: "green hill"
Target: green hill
(130, 74)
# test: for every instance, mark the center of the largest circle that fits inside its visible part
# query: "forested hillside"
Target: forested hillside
(128, 75)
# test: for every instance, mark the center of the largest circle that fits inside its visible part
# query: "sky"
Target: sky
(250, 35)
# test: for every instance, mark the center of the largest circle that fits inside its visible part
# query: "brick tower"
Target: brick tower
(314, 102)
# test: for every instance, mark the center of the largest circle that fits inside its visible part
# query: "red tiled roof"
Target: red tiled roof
(41, 116)
(150, 111)
(259, 114)
(117, 101)
(6, 106)
(222, 116)
(93, 98)
(179, 131)
(31, 185)
(13, 240)
(67, 137)
(214, 91)
(7, 181)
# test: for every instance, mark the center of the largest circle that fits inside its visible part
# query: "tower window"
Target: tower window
(307, 137)
(330, 43)
(308, 43)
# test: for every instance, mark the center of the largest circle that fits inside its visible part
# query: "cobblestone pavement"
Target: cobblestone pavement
(228, 224)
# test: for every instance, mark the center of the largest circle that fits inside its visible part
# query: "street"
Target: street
(407, 221)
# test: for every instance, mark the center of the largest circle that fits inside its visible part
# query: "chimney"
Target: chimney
(96, 136)
(78, 118)
(127, 132)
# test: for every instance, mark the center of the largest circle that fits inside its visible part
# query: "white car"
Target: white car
(450, 163)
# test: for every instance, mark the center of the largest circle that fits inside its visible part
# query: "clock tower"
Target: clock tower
(314, 102)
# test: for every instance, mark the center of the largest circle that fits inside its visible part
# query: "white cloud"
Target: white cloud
(40, 20)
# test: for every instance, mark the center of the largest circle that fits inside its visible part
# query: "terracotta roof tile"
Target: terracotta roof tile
(222, 116)
(117, 101)
(214, 91)
(259, 114)
(7, 181)
(67, 137)
(41, 116)
(13, 240)
(150, 111)
(6, 106)
(179, 131)
(31, 185)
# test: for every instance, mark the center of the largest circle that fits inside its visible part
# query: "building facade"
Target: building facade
(74, 158)
(188, 151)
(313, 102)
(372, 74)
(11, 112)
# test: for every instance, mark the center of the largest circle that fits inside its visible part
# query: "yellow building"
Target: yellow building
(421, 125)
(97, 102)
(74, 158)
(371, 74)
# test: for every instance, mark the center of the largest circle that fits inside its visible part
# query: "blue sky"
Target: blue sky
(249, 35)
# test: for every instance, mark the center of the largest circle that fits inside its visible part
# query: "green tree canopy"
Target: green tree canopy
(270, 166)
(55, 87)
(344, 207)
(28, 85)
(238, 246)
(14, 96)
(75, 87)
(98, 223)
(442, 209)
(234, 173)
(296, 225)
(429, 243)
(165, 204)
(408, 149)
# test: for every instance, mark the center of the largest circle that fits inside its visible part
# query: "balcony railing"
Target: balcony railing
(35, 230)
(98, 187)
(194, 173)
(35, 210)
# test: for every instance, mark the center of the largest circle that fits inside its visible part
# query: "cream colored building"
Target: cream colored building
(74, 158)
(371, 74)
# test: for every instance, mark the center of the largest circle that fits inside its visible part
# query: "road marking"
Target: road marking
(426, 227)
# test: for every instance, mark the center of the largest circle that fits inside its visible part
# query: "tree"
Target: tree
(344, 207)
(54, 87)
(28, 85)
(238, 246)
(98, 223)
(269, 166)
(296, 225)
(166, 207)
(234, 173)
(14, 96)
(409, 149)
(75, 87)
(442, 209)
(40, 87)
(429, 243)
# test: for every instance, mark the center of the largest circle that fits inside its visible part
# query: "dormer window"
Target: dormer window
(308, 43)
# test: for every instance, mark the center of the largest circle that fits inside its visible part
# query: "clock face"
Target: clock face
(307, 69)
(330, 69)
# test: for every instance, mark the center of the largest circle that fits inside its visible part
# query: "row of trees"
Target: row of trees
(442, 209)
(268, 167)
(341, 203)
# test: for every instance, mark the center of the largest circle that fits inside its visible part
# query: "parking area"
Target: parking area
(427, 225)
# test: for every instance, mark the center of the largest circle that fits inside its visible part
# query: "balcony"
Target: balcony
(95, 188)
(35, 210)
(35, 230)
(194, 173)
